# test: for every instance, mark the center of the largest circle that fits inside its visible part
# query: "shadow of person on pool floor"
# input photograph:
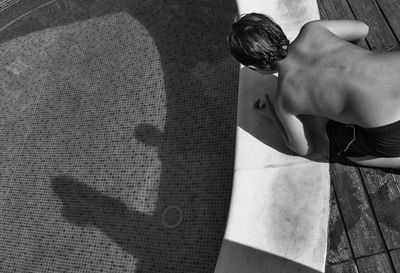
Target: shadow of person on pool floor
(195, 147)
(138, 234)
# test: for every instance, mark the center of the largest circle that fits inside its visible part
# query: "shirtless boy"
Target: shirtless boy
(324, 73)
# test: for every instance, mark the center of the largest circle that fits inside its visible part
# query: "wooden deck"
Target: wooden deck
(365, 212)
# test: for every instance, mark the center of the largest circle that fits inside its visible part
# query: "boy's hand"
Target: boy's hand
(265, 108)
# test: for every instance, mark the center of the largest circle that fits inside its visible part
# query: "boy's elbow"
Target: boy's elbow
(365, 28)
(302, 150)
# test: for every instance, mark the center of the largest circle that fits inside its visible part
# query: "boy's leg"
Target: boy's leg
(380, 162)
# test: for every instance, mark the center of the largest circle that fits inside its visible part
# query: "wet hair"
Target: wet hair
(258, 41)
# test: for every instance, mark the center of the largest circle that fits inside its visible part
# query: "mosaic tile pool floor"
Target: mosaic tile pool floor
(118, 133)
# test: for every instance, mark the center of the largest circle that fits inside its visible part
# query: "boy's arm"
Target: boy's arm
(292, 130)
(349, 30)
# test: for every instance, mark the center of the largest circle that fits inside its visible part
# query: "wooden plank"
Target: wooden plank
(364, 235)
(322, 12)
(395, 255)
(391, 9)
(338, 247)
(338, 9)
(347, 267)
(383, 186)
(380, 36)
(379, 263)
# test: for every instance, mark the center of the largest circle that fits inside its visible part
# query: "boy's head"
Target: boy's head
(258, 42)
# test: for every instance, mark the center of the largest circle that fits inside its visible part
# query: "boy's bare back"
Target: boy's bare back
(353, 93)
(324, 75)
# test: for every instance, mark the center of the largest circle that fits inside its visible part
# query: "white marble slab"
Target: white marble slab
(278, 219)
(282, 211)
(289, 14)
(259, 144)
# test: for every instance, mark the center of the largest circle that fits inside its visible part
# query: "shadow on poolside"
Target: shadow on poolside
(247, 259)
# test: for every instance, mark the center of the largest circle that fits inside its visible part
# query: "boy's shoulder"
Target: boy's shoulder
(305, 41)
(311, 34)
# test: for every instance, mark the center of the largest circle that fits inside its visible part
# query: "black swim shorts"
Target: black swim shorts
(355, 141)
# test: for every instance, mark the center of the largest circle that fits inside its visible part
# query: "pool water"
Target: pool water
(117, 132)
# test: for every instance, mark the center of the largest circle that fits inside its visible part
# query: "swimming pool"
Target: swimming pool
(118, 123)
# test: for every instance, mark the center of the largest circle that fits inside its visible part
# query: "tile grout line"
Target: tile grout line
(22, 148)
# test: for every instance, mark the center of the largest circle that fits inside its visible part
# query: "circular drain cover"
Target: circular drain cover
(172, 217)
